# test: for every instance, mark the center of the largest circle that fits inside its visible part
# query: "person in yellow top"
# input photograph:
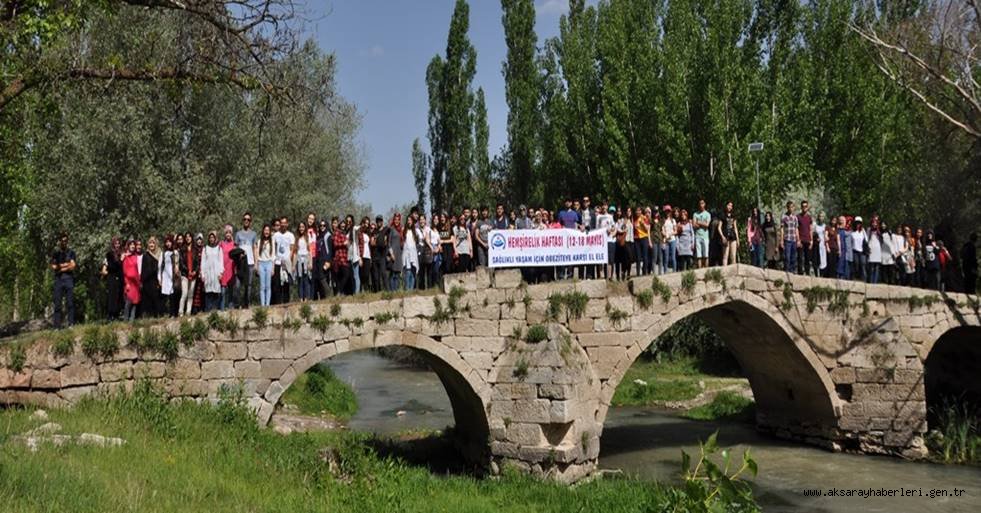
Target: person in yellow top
(642, 241)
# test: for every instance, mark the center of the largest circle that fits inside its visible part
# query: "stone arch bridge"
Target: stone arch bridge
(530, 370)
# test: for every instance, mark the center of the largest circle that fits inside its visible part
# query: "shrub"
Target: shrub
(453, 301)
(190, 332)
(688, 282)
(617, 316)
(662, 289)
(215, 322)
(319, 391)
(103, 341)
(710, 487)
(645, 299)
(291, 324)
(386, 317)
(64, 344)
(260, 316)
(321, 323)
(441, 315)
(17, 358)
(306, 311)
(715, 275)
(536, 334)
(521, 368)
(335, 310)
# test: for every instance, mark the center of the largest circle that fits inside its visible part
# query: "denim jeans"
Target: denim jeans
(672, 256)
(64, 291)
(410, 277)
(356, 271)
(305, 284)
(265, 282)
(664, 258)
(641, 250)
(844, 269)
(394, 281)
(756, 251)
(874, 272)
(790, 256)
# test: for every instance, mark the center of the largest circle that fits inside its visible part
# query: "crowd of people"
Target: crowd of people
(182, 274)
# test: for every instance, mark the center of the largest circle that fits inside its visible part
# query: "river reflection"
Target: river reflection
(647, 443)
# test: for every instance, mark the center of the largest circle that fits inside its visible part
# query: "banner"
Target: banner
(527, 248)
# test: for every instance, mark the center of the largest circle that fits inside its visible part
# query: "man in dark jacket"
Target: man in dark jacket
(321, 263)
(379, 253)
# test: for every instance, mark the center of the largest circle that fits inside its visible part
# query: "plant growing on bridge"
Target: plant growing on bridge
(510, 303)
(616, 315)
(710, 487)
(645, 299)
(715, 275)
(521, 368)
(817, 294)
(662, 289)
(574, 302)
(453, 299)
(386, 317)
(291, 324)
(921, 301)
(16, 358)
(260, 316)
(321, 323)
(335, 310)
(64, 344)
(441, 315)
(190, 331)
(688, 282)
(306, 311)
(536, 334)
(102, 340)
(788, 296)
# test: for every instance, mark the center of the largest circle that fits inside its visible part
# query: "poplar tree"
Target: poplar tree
(522, 85)
(483, 187)
(420, 172)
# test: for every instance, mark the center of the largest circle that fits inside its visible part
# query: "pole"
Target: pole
(758, 203)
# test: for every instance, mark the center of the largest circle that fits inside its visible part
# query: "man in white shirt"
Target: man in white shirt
(604, 221)
(284, 247)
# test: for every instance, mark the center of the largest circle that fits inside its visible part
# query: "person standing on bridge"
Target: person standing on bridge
(805, 239)
(394, 252)
(969, 264)
(265, 257)
(790, 235)
(212, 268)
(729, 235)
(845, 248)
(461, 245)
(701, 220)
(63, 265)
(112, 273)
(245, 239)
(131, 281)
(754, 237)
(686, 241)
(860, 250)
(820, 245)
(669, 229)
(340, 263)
(150, 277)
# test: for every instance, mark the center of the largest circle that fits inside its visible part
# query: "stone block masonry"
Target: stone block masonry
(835, 364)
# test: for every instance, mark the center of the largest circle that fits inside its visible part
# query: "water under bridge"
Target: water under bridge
(530, 370)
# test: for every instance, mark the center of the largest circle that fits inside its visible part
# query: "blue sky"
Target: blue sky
(383, 48)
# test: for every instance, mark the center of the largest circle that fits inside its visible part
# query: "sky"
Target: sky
(382, 49)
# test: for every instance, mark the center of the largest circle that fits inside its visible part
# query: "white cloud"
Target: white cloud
(373, 52)
(552, 7)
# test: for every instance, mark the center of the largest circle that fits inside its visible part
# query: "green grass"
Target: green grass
(674, 379)
(958, 436)
(726, 405)
(197, 458)
(319, 391)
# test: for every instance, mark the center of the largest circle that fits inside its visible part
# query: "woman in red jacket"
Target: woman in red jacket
(131, 280)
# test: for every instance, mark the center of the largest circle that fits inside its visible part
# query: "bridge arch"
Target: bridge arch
(466, 389)
(792, 388)
(952, 369)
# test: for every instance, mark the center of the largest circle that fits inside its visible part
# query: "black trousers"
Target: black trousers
(971, 283)
(64, 291)
(379, 273)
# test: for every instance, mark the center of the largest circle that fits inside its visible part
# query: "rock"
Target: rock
(99, 440)
(400, 413)
(640, 382)
(39, 415)
(45, 429)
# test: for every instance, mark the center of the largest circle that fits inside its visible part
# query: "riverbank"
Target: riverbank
(189, 458)
(680, 385)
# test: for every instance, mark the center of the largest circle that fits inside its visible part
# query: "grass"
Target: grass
(726, 405)
(671, 380)
(198, 458)
(958, 438)
(319, 391)
(536, 333)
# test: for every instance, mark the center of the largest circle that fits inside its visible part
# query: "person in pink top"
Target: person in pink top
(131, 280)
(227, 244)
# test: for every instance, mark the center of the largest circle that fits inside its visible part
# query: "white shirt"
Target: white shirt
(167, 273)
(410, 255)
(212, 266)
(875, 250)
(604, 222)
(283, 243)
(669, 230)
(858, 237)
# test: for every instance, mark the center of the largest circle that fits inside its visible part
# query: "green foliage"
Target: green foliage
(260, 316)
(215, 322)
(16, 357)
(958, 437)
(817, 294)
(651, 393)
(319, 391)
(321, 323)
(922, 301)
(688, 282)
(441, 315)
(453, 299)
(616, 315)
(64, 344)
(726, 405)
(306, 312)
(292, 324)
(335, 310)
(715, 275)
(645, 299)
(101, 341)
(191, 331)
(711, 486)
(386, 317)
(536, 333)
(521, 368)
(692, 340)
(574, 302)
(661, 289)
(788, 296)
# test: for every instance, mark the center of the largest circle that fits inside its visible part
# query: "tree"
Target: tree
(225, 42)
(522, 88)
(420, 172)
(483, 187)
(451, 100)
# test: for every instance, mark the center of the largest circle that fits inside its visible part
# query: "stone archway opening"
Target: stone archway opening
(792, 393)
(419, 408)
(952, 376)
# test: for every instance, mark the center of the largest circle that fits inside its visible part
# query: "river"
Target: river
(646, 443)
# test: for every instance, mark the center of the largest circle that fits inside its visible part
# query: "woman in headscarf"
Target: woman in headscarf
(112, 272)
(395, 252)
(169, 274)
(150, 276)
(212, 267)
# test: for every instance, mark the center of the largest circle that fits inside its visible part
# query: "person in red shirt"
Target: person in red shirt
(340, 264)
(131, 280)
